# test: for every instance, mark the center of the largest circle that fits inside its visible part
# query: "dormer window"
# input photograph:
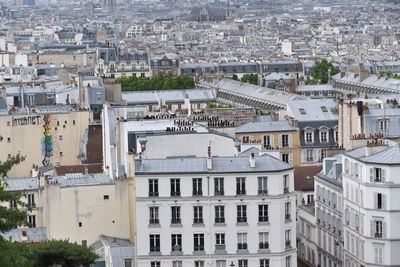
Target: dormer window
(323, 136)
(309, 136)
(383, 124)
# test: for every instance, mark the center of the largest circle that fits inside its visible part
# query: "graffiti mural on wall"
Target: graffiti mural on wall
(47, 141)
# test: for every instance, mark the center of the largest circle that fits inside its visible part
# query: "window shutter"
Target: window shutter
(272, 141)
(290, 140)
(371, 175)
(290, 157)
(383, 173)
(372, 228)
(383, 229)
(280, 141)
(304, 152)
(375, 200)
(383, 202)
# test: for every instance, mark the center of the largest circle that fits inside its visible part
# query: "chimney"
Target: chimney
(187, 104)
(252, 161)
(342, 74)
(363, 73)
(209, 159)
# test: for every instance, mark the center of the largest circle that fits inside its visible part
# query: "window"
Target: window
(286, 183)
(377, 228)
(155, 243)
(219, 214)
(219, 241)
(80, 224)
(377, 175)
(242, 263)
(336, 136)
(288, 261)
(175, 187)
(246, 139)
(287, 211)
(155, 264)
(309, 136)
(175, 215)
(197, 187)
(383, 124)
(32, 221)
(31, 200)
(128, 262)
(241, 186)
(242, 240)
(241, 213)
(220, 263)
(263, 213)
(323, 136)
(263, 240)
(309, 155)
(13, 204)
(285, 140)
(198, 242)
(264, 263)
(219, 186)
(285, 157)
(197, 214)
(378, 251)
(199, 264)
(310, 199)
(176, 242)
(105, 197)
(154, 219)
(287, 238)
(267, 142)
(153, 187)
(177, 264)
(262, 185)
(379, 201)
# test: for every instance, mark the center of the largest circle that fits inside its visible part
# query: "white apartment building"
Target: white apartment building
(328, 213)
(372, 205)
(215, 211)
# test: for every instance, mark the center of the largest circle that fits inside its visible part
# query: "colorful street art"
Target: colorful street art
(47, 141)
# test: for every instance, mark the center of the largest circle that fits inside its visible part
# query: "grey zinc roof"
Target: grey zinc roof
(375, 114)
(265, 163)
(78, 179)
(311, 110)
(319, 87)
(22, 184)
(372, 80)
(120, 249)
(267, 126)
(37, 234)
(387, 156)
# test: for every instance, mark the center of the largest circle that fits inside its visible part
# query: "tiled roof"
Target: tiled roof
(304, 177)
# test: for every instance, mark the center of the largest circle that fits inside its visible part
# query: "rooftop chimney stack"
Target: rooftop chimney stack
(252, 161)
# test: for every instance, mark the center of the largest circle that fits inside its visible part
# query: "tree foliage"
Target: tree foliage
(250, 78)
(390, 74)
(160, 82)
(320, 72)
(235, 77)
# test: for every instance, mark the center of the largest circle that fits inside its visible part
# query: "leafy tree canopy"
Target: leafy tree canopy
(320, 72)
(160, 82)
(250, 78)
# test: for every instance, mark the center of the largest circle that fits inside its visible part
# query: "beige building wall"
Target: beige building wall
(293, 150)
(26, 134)
(87, 59)
(349, 123)
(83, 213)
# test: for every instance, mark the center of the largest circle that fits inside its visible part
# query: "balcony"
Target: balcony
(177, 248)
(263, 218)
(242, 246)
(220, 220)
(219, 247)
(219, 193)
(288, 244)
(240, 192)
(153, 194)
(263, 192)
(287, 216)
(198, 221)
(263, 245)
(286, 190)
(197, 193)
(378, 235)
(154, 221)
(175, 194)
(176, 221)
(241, 219)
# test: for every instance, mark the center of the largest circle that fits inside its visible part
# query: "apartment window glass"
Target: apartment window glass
(379, 201)
(153, 187)
(155, 264)
(220, 263)
(241, 213)
(378, 251)
(262, 185)
(285, 140)
(288, 261)
(267, 142)
(309, 137)
(287, 238)
(197, 187)
(13, 204)
(32, 221)
(219, 214)
(177, 264)
(176, 242)
(219, 186)
(383, 124)
(155, 243)
(310, 199)
(323, 136)
(242, 240)
(264, 263)
(197, 214)
(198, 242)
(309, 155)
(286, 183)
(31, 200)
(287, 211)
(263, 213)
(176, 215)
(199, 264)
(243, 263)
(175, 187)
(263, 240)
(377, 175)
(241, 186)
(219, 241)
(154, 219)
(378, 228)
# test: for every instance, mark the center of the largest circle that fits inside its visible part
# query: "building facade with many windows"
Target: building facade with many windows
(215, 211)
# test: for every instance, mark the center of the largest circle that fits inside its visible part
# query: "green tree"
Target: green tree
(250, 78)
(320, 72)
(235, 77)
(62, 252)
(159, 82)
